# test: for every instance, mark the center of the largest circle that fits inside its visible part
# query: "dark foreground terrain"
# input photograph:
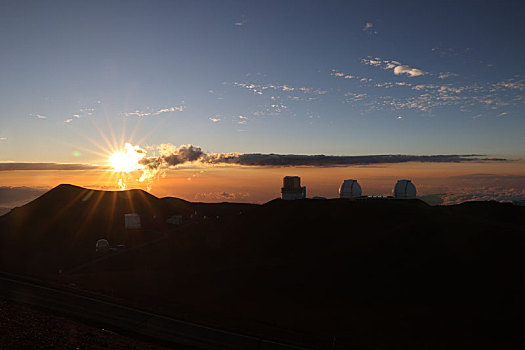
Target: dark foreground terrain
(24, 327)
(326, 274)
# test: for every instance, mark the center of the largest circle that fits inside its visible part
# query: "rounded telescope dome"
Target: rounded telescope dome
(102, 245)
(350, 189)
(405, 189)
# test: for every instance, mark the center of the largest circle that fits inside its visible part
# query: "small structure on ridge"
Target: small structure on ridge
(292, 189)
(405, 189)
(132, 221)
(350, 189)
(102, 246)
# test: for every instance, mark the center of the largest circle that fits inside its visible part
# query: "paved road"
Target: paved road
(106, 314)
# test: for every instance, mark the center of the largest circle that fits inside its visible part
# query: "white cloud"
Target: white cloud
(336, 73)
(369, 28)
(76, 116)
(170, 109)
(502, 114)
(38, 116)
(395, 65)
(404, 69)
(259, 88)
(68, 120)
(87, 111)
(139, 113)
(241, 22)
(215, 120)
(368, 25)
(444, 75)
(399, 117)
(3, 138)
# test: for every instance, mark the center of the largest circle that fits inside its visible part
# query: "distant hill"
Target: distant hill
(371, 273)
(61, 227)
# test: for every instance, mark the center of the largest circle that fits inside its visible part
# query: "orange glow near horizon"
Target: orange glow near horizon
(261, 184)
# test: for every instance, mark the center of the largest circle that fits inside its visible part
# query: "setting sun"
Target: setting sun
(128, 159)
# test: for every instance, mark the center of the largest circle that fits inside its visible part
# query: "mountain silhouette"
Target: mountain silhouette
(304, 270)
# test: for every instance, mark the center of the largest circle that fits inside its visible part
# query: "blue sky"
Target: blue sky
(303, 77)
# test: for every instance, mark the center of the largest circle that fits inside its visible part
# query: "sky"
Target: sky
(341, 78)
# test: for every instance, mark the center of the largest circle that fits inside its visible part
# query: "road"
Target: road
(22, 290)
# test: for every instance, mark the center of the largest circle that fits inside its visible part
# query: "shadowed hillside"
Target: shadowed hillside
(373, 273)
(60, 228)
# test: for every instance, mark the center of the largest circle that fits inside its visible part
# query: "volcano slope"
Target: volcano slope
(367, 273)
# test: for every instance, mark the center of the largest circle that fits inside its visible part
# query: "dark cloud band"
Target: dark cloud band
(255, 159)
(46, 166)
(186, 154)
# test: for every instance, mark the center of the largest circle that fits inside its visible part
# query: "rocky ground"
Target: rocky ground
(23, 327)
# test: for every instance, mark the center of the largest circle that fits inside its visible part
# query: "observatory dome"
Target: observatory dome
(350, 189)
(404, 189)
(102, 245)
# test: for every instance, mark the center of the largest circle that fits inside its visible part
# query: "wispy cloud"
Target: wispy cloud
(152, 112)
(3, 138)
(260, 88)
(339, 74)
(369, 28)
(215, 119)
(242, 22)
(242, 120)
(444, 75)
(169, 109)
(451, 52)
(82, 113)
(396, 66)
(38, 116)
(502, 114)
(86, 112)
(426, 97)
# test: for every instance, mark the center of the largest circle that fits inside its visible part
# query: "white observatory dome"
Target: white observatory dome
(102, 245)
(404, 189)
(350, 189)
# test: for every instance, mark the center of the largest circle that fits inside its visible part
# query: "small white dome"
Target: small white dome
(350, 189)
(404, 189)
(102, 245)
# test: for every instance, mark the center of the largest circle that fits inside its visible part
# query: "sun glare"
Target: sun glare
(128, 159)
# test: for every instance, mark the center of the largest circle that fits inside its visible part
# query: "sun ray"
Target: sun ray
(109, 146)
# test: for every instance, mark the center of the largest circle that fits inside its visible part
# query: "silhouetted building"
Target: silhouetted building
(292, 188)
(174, 220)
(350, 189)
(405, 189)
(132, 221)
